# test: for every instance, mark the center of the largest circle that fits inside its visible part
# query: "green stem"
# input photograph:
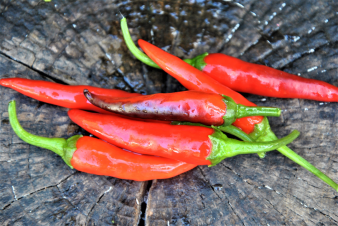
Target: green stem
(244, 111)
(284, 150)
(223, 147)
(268, 135)
(199, 63)
(302, 162)
(196, 62)
(234, 111)
(132, 47)
(233, 130)
(60, 146)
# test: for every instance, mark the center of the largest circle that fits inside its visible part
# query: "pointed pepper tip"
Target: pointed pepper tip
(5, 82)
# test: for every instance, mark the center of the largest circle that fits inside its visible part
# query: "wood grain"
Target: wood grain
(80, 42)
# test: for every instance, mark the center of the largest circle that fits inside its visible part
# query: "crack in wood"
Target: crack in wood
(65, 198)
(144, 204)
(41, 73)
(308, 183)
(235, 212)
(202, 201)
(212, 188)
(302, 217)
(315, 209)
(28, 165)
(31, 193)
(229, 168)
(8, 205)
(275, 208)
(55, 185)
(97, 201)
(277, 192)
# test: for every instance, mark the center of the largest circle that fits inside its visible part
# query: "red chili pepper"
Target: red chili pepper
(191, 106)
(240, 76)
(191, 144)
(61, 95)
(191, 79)
(91, 155)
(248, 77)
(64, 95)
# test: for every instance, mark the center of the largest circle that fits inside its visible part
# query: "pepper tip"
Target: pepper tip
(87, 94)
(140, 42)
(12, 102)
(122, 17)
(5, 82)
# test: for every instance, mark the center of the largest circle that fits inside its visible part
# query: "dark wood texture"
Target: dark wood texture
(80, 42)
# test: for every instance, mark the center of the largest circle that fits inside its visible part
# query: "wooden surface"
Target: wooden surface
(80, 42)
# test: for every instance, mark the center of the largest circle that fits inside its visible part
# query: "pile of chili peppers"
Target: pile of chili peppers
(145, 137)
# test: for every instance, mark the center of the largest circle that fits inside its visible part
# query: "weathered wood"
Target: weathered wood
(79, 42)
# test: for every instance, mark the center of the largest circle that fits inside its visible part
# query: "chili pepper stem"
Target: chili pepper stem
(266, 134)
(63, 147)
(233, 130)
(234, 111)
(199, 63)
(244, 111)
(302, 162)
(132, 47)
(240, 147)
(284, 150)
(224, 147)
(196, 62)
(241, 135)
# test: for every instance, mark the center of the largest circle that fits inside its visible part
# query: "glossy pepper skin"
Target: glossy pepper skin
(262, 130)
(194, 79)
(240, 76)
(191, 78)
(64, 95)
(94, 156)
(61, 95)
(191, 144)
(190, 106)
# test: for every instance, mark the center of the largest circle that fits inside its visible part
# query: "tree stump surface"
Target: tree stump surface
(80, 42)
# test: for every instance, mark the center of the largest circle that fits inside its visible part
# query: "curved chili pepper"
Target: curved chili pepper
(61, 95)
(64, 95)
(202, 146)
(240, 75)
(185, 73)
(194, 79)
(94, 156)
(191, 106)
